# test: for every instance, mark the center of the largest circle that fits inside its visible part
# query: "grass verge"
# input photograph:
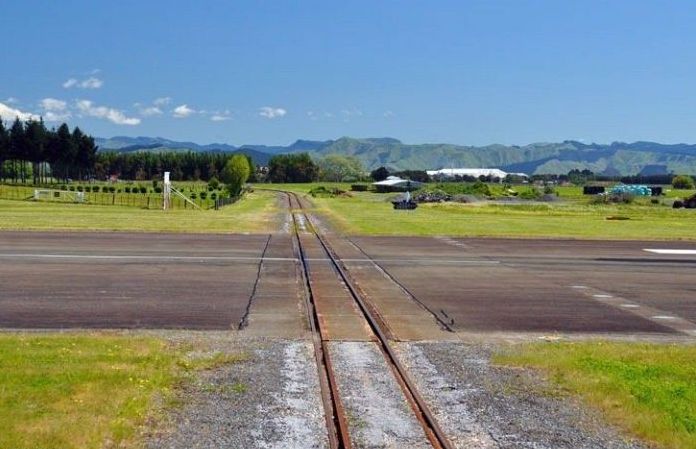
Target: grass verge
(255, 213)
(86, 390)
(647, 389)
(372, 214)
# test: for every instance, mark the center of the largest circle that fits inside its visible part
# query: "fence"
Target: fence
(221, 202)
(140, 200)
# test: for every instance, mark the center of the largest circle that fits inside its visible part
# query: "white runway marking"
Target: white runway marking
(630, 306)
(230, 258)
(663, 317)
(135, 257)
(603, 296)
(681, 252)
(454, 261)
(579, 287)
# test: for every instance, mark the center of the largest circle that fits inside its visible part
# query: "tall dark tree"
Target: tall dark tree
(379, 174)
(35, 141)
(17, 149)
(292, 168)
(84, 153)
(4, 147)
(66, 145)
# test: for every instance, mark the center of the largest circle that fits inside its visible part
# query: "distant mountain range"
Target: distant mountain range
(617, 158)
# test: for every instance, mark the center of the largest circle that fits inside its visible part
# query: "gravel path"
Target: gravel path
(378, 415)
(269, 400)
(481, 406)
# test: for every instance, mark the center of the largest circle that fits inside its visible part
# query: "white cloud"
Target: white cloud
(11, 100)
(162, 101)
(220, 118)
(89, 83)
(55, 110)
(113, 115)
(51, 104)
(182, 111)
(352, 112)
(153, 109)
(8, 113)
(150, 111)
(51, 116)
(271, 112)
(388, 114)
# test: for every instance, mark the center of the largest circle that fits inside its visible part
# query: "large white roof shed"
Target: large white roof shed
(475, 172)
(396, 182)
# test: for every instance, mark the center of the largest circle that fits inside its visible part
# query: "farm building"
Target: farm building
(474, 172)
(396, 184)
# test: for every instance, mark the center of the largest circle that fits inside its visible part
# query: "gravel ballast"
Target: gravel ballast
(270, 399)
(483, 406)
(378, 415)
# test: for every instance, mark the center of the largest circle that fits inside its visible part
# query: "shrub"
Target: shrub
(193, 195)
(683, 182)
(592, 190)
(321, 191)
(204, 195)
(95, 189)
(127, 189)
(213, 196)
(80, 189)
(213, 184)
(143, 189)
(358, 188)
(459, 188)
(530, 194)
(623, 197)
(63, 187)
(154, 184)
(158, 189)
(112, 189)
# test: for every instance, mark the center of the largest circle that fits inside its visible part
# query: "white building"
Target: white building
(393, 183)
(475, 172)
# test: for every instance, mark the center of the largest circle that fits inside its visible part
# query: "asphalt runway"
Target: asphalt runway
(123, 280)
(127, 280)
(545, 285)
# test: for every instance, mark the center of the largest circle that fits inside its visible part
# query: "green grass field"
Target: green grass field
(257, 212)
(366, 213)
(649, 390)
(372, 214)
(80, 391)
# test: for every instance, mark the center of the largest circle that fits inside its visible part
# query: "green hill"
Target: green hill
(617, 158)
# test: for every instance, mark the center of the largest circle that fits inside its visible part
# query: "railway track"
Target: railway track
(337, 421)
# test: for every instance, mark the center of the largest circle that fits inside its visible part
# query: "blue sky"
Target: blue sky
(468, 72)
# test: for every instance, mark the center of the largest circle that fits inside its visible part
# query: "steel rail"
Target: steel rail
(435, 434)
(336, 421)
(443, 324)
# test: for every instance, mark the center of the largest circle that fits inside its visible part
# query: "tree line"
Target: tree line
(30, 151)
(183, 166)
